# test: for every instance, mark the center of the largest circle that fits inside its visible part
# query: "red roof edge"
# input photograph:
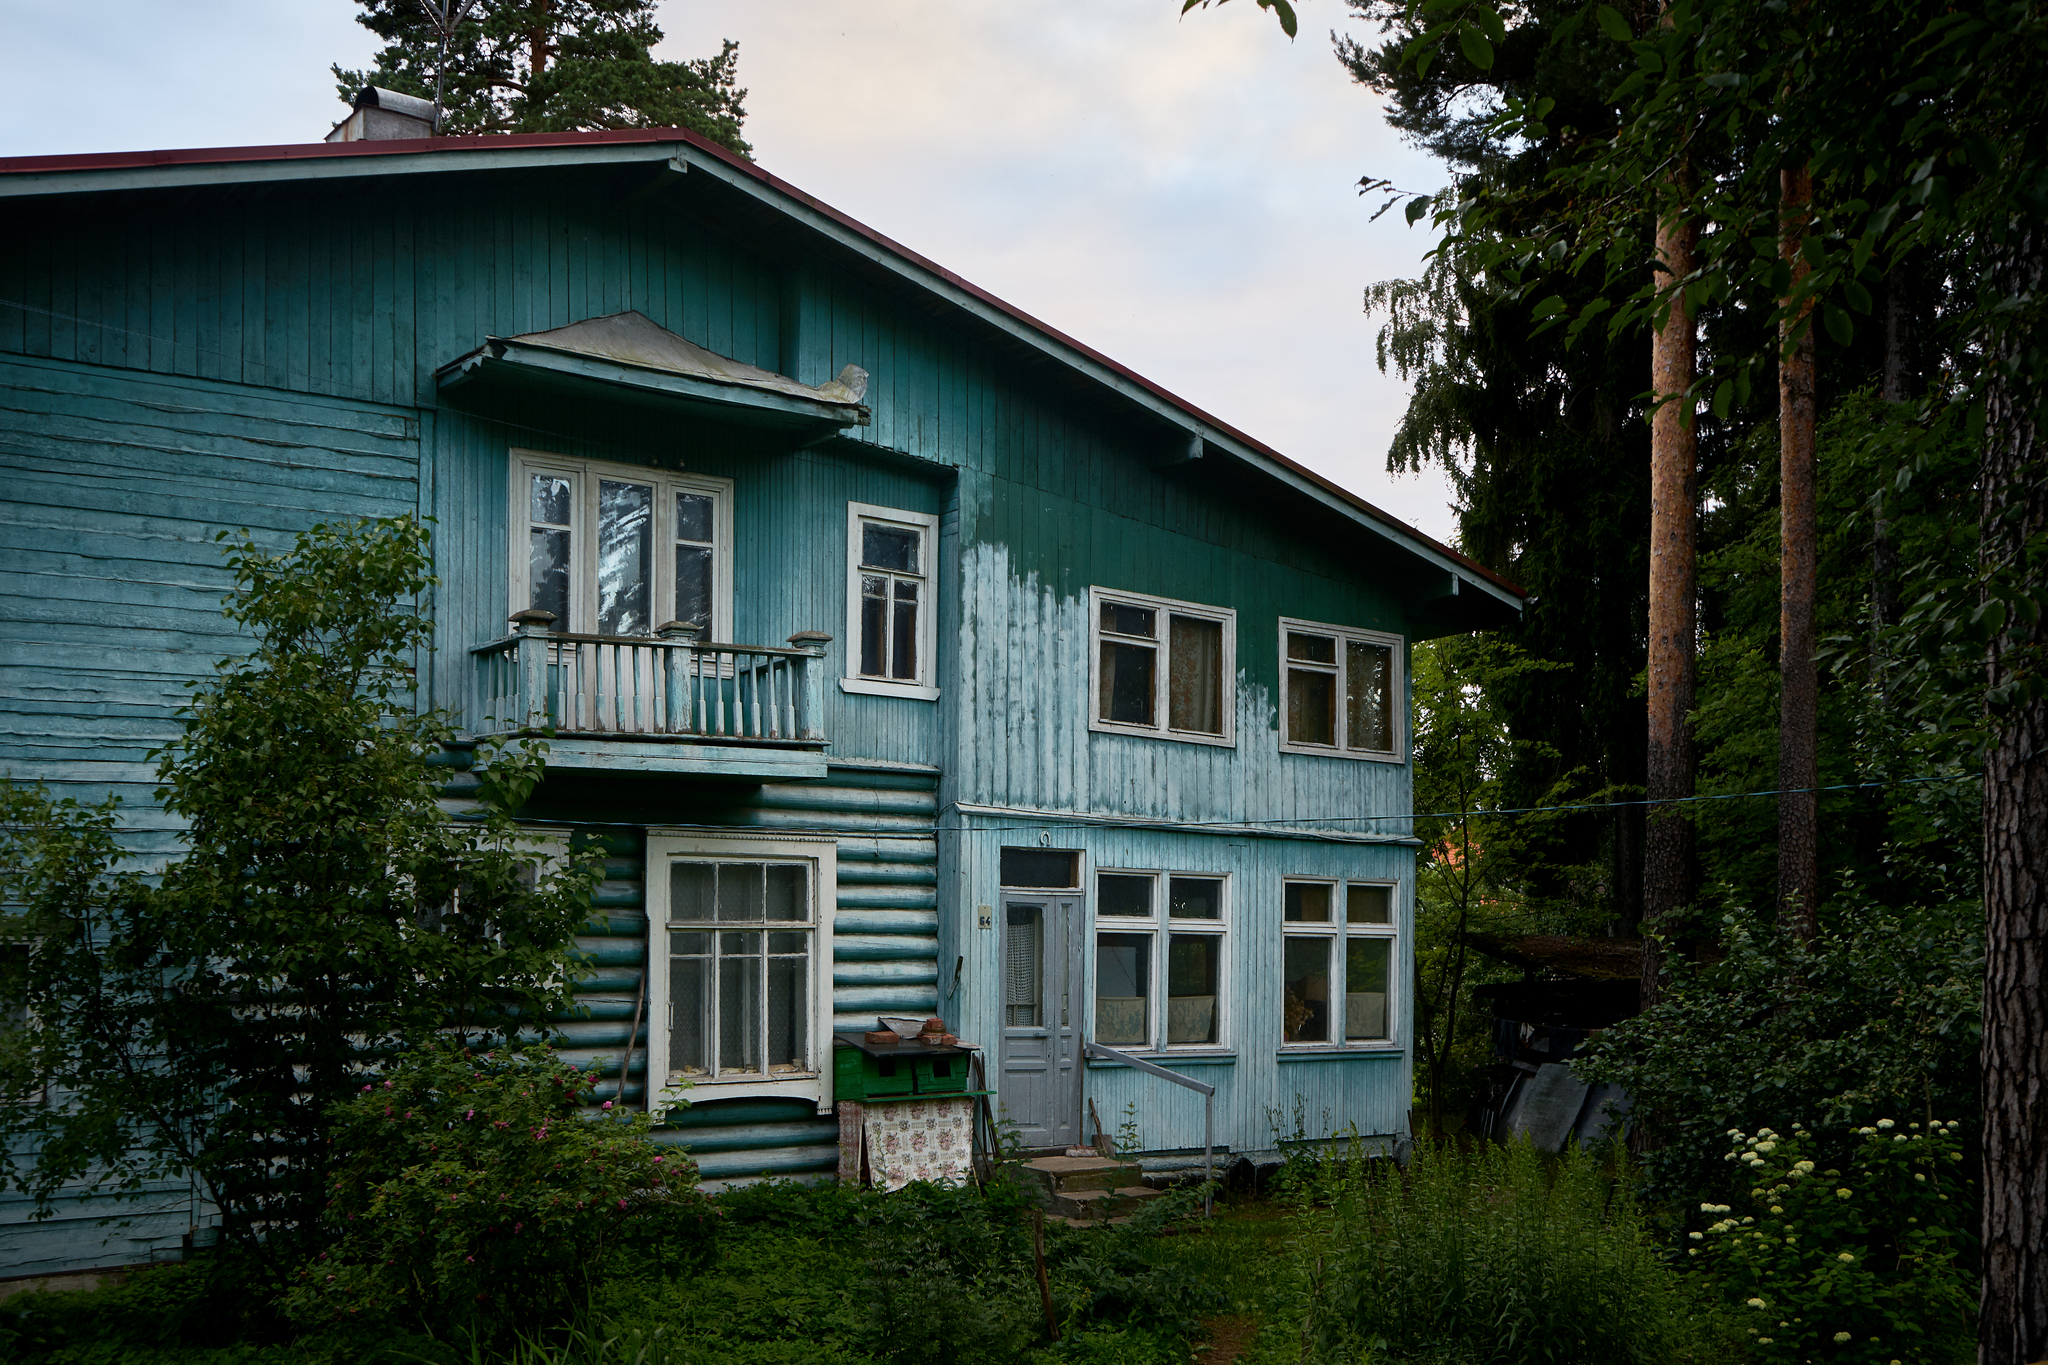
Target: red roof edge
(203, 156)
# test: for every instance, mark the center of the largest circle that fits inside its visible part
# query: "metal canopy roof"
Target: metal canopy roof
(631, 351)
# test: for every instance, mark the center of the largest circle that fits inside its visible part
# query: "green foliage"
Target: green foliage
(551, 66)
(1878, 1015)
(472, 1195)
(194, 1305)
(1499, 1254)
(1888, 712)
(326, 908)
(1478, 872)
(1859, 1265)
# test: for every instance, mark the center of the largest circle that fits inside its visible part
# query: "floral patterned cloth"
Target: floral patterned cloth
(922, 1139)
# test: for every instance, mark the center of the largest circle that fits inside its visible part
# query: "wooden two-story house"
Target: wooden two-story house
(988, 678)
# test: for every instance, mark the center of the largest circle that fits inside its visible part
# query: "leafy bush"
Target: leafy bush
(1501, 1254)
(1884, 1018)
(471, 1193)
(201, 1024)
(1857, 1267)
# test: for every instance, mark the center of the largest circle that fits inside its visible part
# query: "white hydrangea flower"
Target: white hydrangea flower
(1919, 1177)
(1845, 1256)
(1755, 1303)
(1697, 1236)
(1841, 1337)
(1886, 1123)
(1842, 1193)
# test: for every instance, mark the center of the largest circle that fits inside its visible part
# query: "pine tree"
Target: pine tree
(549, 66)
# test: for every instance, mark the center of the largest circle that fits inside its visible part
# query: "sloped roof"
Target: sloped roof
(102, 172)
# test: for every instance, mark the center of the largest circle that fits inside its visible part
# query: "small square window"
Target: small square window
(1196, 897)
(1122, 895)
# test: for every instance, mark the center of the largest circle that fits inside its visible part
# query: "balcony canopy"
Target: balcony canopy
(628, 357)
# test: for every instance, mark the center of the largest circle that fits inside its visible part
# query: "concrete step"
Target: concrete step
(1059, 1174)
(1101, 1205)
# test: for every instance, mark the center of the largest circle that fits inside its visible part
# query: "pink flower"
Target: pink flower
(607, 1104)
(470, 1115)
(622, 1203)
(387, 1085)
(657, 1161)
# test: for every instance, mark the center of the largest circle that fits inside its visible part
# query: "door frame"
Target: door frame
(1066, 907)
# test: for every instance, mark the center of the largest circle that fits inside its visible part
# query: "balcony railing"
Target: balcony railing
(635, 687)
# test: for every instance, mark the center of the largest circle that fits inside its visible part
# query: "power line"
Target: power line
(1309, 824)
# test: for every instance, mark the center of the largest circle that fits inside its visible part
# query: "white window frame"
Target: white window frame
(1397, 684)
(924, 687)
(584, 476)
(1159, 927)
(1166, 607)
(823, 856)
(1335, 936)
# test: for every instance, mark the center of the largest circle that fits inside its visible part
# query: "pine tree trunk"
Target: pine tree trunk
(1674, 573)
(2014, 1327)
(1798, 724)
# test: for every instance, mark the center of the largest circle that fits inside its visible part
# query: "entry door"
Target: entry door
(1041, 1080)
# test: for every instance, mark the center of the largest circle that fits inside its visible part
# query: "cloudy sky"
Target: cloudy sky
(1177, 193)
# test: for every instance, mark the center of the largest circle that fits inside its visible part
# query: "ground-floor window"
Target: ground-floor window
(1159, 945)
(1337, 962)
(740, 965)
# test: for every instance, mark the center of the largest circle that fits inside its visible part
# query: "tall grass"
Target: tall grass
(1497, 1256)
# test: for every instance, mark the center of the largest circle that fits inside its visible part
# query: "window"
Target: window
(1341, 692)
(890, 614)
(1337, 945)
(1163, 668)
(1158, 960)
(739, 985)
(621, 549)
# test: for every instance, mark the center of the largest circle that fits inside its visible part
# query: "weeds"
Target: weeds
(1497, 1255)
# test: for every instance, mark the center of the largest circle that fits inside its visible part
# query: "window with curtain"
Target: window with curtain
(618, 549)
(1162, 668)
(1341, 692)
(1158, 960)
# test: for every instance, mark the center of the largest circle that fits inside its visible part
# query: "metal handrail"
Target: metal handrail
(1206, 1091)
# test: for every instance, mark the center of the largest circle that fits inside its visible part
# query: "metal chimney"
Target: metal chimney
(382, 115)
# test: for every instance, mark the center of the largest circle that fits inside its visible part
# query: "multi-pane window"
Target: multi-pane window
(1163, 668)
(740, 975)
(1341, 691)
(1158, 960)
(889, 601)
(620, 550)
(1337, 962)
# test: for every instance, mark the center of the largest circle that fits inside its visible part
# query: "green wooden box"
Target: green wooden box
(861, 1075)
(939, 1075)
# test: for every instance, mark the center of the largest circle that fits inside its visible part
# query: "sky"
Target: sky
(1178, 193)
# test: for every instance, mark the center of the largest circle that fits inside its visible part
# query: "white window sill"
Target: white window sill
(1192, 1057)
(876, 687)
(1105, 727)
(1327, 751)
(1328, 1052)
(809, 1086)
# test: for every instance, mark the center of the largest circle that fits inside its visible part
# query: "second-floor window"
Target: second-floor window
(1163, 668)
(1341, 692)
(890, 611)
(621, 549)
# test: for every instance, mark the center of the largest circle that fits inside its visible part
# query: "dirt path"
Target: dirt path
(1229, 1338)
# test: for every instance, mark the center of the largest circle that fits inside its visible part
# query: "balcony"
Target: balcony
(663, 704)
